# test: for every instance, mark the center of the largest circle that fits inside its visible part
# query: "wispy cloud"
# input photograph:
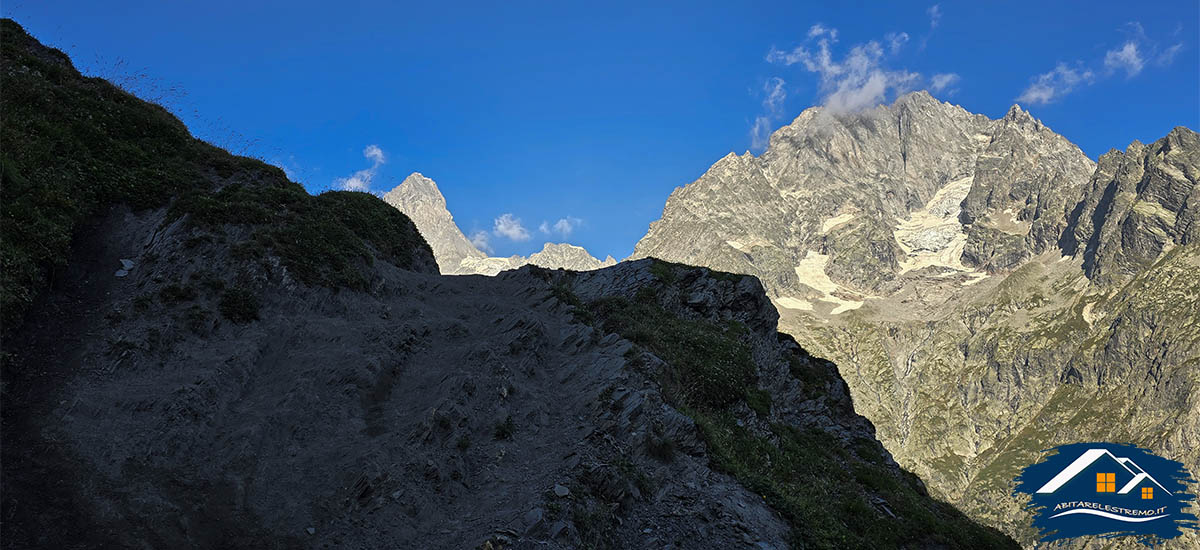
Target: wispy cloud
(509, 227)
(935, 15)
(563, 227)
(774, 95)
(1125, 58)
(943, 82)
(482, 241)
(1168, 55)
(361, 180)
(896, 40)
(857, 81)
(1051, 86)
(819, 29)
(1129, 58)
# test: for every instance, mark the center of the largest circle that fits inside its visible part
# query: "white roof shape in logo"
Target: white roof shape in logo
(1086, 459)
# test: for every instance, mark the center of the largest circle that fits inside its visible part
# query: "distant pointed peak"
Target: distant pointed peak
(417, 179)
(1181, 134)
(416, 185)
(1016, 113)
(915, 96)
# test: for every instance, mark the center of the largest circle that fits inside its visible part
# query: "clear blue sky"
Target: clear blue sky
(595, 113)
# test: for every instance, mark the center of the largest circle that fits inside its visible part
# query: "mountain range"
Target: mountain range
(418, 198)
(979, 281)
(198, 353)
(855, 339)
(986, 290)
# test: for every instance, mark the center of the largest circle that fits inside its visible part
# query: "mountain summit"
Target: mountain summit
(986, 289)
(418, 197)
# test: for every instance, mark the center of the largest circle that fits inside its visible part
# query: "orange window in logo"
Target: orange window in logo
(1147, 492)
(1106, 483)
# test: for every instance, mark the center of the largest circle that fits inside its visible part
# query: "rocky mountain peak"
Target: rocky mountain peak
(418, 197)
(417, 188)
(567, 256)
(918, 242)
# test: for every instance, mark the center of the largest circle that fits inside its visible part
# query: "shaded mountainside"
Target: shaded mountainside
(74, 147)
(986, 290)
(418, 198)
(206, 356)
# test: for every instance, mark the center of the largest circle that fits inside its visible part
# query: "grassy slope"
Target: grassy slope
(825, 489)
(73, 146)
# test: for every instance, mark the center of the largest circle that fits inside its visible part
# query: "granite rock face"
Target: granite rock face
(1140, 203)
(837, 190)
(986, 290)
(418, 197)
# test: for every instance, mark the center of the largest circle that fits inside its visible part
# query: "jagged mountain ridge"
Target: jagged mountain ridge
(211, 362)
(956, 268)
(419, 198)
(833, 190)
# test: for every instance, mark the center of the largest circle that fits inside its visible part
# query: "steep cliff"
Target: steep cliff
(985, 289)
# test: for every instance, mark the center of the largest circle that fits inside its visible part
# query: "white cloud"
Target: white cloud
(774, 94)
(481, 241)
(856, 82)
(374, 153)
(819, 29)
(942, 81)
(1126, 58)
(896, 40)
(935, 15)
(510, 227)
(361, 180)
(564, 226)
(1051, 86)
(1130, 58)
(1168, 55)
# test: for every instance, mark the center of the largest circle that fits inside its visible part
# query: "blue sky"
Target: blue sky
(592, 115)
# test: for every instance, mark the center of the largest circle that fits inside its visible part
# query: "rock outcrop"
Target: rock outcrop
(985, 289)
(419, 198)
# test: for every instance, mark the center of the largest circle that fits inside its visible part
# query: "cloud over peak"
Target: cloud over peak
(855, 82)
(361, 180)
(509, 226)
(563, 227)
(774, 95)
(1048, 87)
(942, 81)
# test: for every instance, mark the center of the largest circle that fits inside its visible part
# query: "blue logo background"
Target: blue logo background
(1108, 490)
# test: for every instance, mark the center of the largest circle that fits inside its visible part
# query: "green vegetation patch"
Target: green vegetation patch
(834, 498)
(710, 367)
(72, 146)
(832, 494)
(324, 240)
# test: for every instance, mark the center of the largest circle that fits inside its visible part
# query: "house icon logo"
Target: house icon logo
(1107, 490)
